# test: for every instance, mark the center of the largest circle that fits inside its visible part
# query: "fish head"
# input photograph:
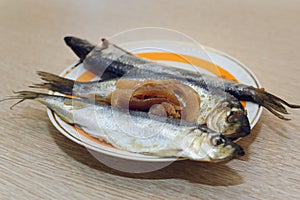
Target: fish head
(230, 119)
(237, 122)
(223, 149)
(211, 146)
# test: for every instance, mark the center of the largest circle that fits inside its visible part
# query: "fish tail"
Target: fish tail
(55, 83)
(274, 104)
(23, 95)
(53, 102)
(79, 46)
(281, 101)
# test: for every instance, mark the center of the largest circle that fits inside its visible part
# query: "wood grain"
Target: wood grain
(37, 162)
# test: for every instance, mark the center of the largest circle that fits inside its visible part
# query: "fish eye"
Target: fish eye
(233, 117)
(216, 141)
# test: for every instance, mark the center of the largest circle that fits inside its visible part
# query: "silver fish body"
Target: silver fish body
(219, 110)
(111, 59)
(144, 135)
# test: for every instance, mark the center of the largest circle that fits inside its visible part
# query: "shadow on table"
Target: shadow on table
(194, 172)
(248, 140)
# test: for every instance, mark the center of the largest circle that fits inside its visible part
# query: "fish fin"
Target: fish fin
(55, 83)
(106, 43)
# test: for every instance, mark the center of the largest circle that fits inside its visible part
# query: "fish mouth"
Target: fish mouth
(243, 128)
(239, 151)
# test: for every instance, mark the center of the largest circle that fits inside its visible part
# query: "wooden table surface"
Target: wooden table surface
(37, 162)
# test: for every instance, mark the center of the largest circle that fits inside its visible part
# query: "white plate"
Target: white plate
(228, 65)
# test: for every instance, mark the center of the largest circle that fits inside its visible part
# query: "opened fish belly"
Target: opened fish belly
(137, 133)
(219, 110)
